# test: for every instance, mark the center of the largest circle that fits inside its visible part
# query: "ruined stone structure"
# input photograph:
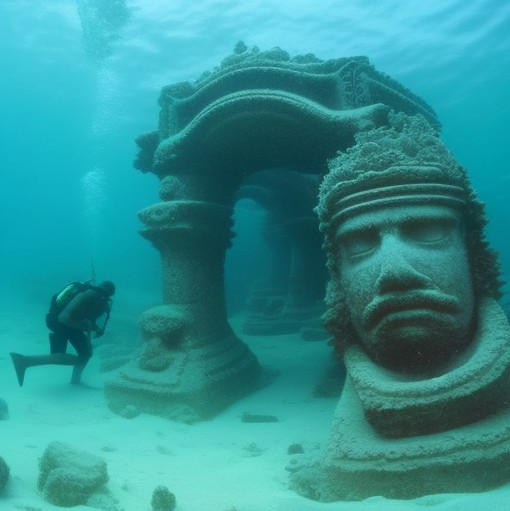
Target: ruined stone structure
(294, 293)
(268, 294)
(258, 110)
(412, 306)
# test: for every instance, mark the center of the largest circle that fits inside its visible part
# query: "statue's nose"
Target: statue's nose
(396, 269)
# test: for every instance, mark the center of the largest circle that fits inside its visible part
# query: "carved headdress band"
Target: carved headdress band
(409, 194)
(404, 163)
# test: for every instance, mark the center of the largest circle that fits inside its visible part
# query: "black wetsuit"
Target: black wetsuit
(62, 334)
(95, 304)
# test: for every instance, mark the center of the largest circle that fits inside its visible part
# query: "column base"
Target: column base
(199, 383)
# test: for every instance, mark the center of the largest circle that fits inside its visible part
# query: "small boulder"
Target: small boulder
(4, 410)
(68, 476)
(4, 473)
(255, 417)
(162, 499)
(295, 449)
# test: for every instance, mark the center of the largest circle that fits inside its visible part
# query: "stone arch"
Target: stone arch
(257, 110)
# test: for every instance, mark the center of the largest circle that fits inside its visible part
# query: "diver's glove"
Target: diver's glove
(98, 332)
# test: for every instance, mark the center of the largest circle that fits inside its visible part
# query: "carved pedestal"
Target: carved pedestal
(192, 365)
(403, 439)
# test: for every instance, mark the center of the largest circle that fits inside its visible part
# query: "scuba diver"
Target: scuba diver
(72, 318)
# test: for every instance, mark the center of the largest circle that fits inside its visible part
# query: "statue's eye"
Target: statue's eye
(428, 231)
(360, 243)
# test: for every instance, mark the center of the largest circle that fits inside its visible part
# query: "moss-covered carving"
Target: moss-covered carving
(411, 305)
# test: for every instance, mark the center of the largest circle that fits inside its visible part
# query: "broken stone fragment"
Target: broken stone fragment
(68, 476)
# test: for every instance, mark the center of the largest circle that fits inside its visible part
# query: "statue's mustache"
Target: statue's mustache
(432, 300)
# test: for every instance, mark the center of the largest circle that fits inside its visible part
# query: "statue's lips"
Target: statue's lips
(405, 306)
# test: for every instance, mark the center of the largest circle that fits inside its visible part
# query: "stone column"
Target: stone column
(298, 258)
(191, 365)
(268, 295)
(299, 268)
(307, 279)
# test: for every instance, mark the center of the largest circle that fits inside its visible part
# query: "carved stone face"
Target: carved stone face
(406, 280)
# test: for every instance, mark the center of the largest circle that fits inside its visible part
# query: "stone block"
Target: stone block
(68, 476)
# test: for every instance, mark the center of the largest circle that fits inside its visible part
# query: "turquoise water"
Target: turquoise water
(76, 89)
(72, 105)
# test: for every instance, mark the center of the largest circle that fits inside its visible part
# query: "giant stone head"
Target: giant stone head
(406, 250)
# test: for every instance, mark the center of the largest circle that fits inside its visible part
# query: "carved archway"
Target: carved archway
(258, 110)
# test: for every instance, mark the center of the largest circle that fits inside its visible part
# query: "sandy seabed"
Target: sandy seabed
(220, 465)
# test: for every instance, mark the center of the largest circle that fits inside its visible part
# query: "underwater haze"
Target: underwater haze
(80, 80)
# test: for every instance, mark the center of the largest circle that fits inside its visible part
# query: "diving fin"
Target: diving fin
(20, 366)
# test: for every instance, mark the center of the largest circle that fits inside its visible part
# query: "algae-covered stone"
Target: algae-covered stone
(162, 499)
(413, 311)
(4, 473)
(68, 476)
